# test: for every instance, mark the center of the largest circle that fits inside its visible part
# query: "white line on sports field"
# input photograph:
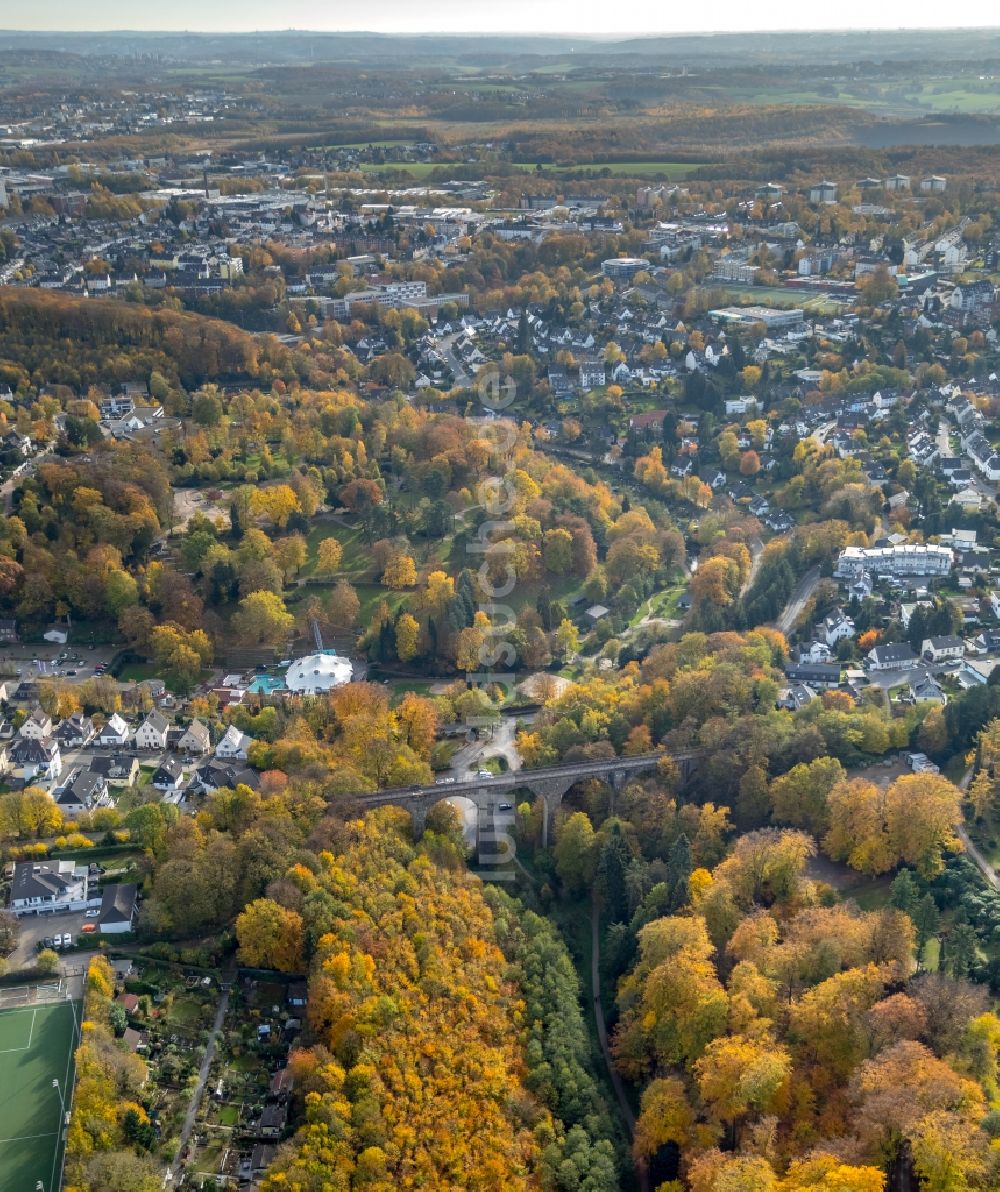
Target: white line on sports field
(67, 1091)
(29, 1137)
(31, 1032)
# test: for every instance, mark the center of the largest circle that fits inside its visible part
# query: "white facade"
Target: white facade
(317, 673)
(233, 745)
(907, 559)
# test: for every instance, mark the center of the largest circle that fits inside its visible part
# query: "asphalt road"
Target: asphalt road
(798, 600)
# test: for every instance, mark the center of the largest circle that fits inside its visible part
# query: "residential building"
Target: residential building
(233, 745)
(152, 733)
(118, 909)
(215, 774)
(823, 192)
(40, 887)
(814, 674)
(115, 733)
(195, 738)
(75, 732)
(894, 656)
(83, 790)
(169, 775)
(906, 559)
(36, 760)
(121, 769)
(837, 626)
(937, 649)
(37, 727)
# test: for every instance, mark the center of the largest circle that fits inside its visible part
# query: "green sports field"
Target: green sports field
(36, 1047)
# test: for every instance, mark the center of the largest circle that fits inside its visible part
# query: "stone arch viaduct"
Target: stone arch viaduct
(549, 783)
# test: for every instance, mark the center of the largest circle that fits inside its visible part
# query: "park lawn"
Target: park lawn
(356, 561)
(137, 672)
(931, 955)
(36, 1047)
(526, 595)
(369, 596)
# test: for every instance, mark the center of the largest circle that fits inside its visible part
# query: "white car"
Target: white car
(67, 940)
(93, 913)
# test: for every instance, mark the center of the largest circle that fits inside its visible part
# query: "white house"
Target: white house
(836, 627)
(58, 634)
(83, 791)
(37, 727)
(815, 652)
(75, 731)
(115, 733)
(937, 649)
(169, 775)
(895, 656)
(234, 745)
(38, 887)
(118, 909)
(36, 759)
(152, 733)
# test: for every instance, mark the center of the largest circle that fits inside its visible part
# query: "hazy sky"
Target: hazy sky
(480, 16)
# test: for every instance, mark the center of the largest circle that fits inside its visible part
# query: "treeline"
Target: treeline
(110, 1134)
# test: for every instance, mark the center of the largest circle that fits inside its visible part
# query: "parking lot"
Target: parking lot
(39, 927)
(48, 660)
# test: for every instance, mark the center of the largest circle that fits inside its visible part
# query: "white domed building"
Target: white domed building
(317, 673)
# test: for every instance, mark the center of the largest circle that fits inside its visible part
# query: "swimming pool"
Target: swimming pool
(266, 684)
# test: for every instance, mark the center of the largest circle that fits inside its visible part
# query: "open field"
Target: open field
(36, 1047)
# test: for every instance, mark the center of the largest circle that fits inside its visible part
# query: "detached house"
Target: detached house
(937, 649)
(836, 627)
(37, 727)
(122, 769)
(152, 733)
(118, 909)
(83, 791)
(233, 746)
(115, 733)
(36, 759)
(169, 775)
(76, 731)
(195, 739)
(895, 656)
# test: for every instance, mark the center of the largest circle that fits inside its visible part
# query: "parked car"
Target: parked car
(88, 928)
(67, 940)
(93, 913)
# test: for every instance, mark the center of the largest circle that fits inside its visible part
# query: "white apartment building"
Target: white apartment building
(907, 559)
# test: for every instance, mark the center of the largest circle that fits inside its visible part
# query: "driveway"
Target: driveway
(38, 927)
